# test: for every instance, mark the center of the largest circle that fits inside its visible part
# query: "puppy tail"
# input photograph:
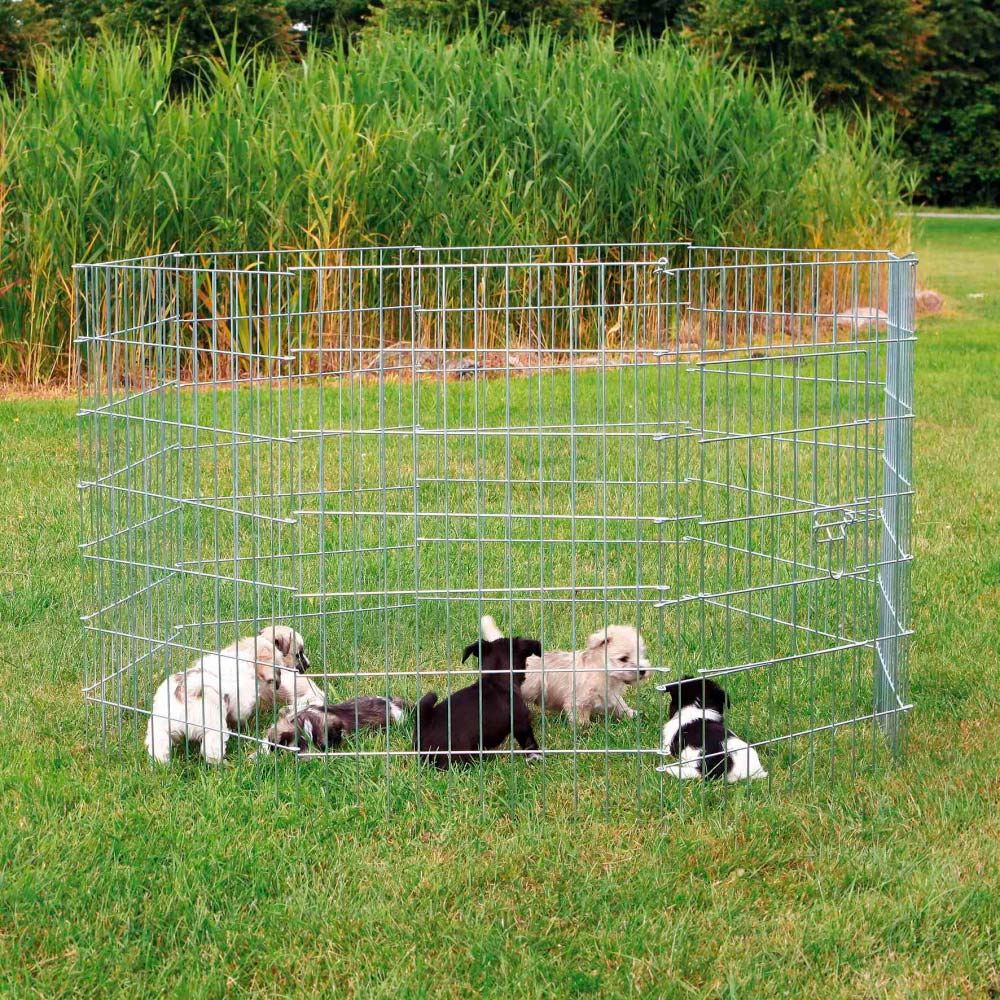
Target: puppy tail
(488, 629)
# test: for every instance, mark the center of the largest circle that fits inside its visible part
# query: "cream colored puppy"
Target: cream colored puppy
(294, 687)
(220, 691)
(589, 680)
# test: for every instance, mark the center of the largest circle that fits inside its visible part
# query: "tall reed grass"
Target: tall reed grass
(410, 139)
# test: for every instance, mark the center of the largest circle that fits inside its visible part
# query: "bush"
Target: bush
(565, 17)
(408, 138)
(954, 131)
(203, 27)
(864, 52)
(652, 17)
(22, 25)
(197, 29)
(329, 23)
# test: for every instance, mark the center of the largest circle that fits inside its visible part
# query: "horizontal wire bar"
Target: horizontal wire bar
(538, 540)
(514, 481)
(724, 436)
(186, 570)
(740, 668)
(268, 439)
(274, 556)
(298, 615)
(190, 501)
(136, 526)
(768, 556)
(124, 600)
(459, 592)
(506, 515)
(131, 665)
(114, 404)
(795, 626)
(137, 464)
(760, 588)
(829, 727)
(571, 432)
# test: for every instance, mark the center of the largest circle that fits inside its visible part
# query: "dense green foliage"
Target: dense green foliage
(566, 17)
(327, 23)
(954, 117)
(412, 139)
(865, 52)
(203, 27)
(22, 25)
(931, 64)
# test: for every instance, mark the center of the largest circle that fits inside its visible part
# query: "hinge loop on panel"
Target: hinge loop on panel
(832, 523)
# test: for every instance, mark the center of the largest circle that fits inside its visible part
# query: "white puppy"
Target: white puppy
(585, 681)
(294, 687)
(220, 691)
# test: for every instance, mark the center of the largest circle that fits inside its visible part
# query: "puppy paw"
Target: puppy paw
(533, 758)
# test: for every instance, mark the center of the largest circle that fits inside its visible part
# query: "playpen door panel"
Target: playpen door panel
(789, 528)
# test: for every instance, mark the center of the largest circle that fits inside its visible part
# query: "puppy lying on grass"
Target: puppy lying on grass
(481, 716)
(324, 726)
(697, 735)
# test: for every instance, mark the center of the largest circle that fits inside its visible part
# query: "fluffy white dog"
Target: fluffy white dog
(220, 691)
(585, 681)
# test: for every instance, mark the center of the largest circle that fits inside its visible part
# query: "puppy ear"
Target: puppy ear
(471, 650)
(282, 640)
(528, 647)
(597, 639)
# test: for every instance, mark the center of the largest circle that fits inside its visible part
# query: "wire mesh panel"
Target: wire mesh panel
(378, 447)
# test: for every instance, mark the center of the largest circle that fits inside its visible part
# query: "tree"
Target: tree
(22, 24)
(654, 17)
(954, 116)
(201, 26)
(567, 17)
(73, 19)
(327, 23)
(865, 52)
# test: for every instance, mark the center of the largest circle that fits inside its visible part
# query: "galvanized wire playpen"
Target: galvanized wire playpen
(377, 446)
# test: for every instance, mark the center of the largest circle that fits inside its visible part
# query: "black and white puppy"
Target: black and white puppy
(494, 700)
(698, 737)
(324, 726)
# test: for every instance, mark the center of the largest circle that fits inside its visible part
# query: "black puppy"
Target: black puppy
(495, 699)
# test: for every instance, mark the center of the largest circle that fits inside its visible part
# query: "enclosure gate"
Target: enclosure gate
(378, 446)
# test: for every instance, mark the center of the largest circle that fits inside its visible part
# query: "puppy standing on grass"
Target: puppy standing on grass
(220, 691)
(479, 716)
(589, 680)
(697, 735)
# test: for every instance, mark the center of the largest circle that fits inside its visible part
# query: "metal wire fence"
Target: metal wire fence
(376, 447)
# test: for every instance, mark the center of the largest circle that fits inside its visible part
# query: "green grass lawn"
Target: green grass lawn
(116, 880)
